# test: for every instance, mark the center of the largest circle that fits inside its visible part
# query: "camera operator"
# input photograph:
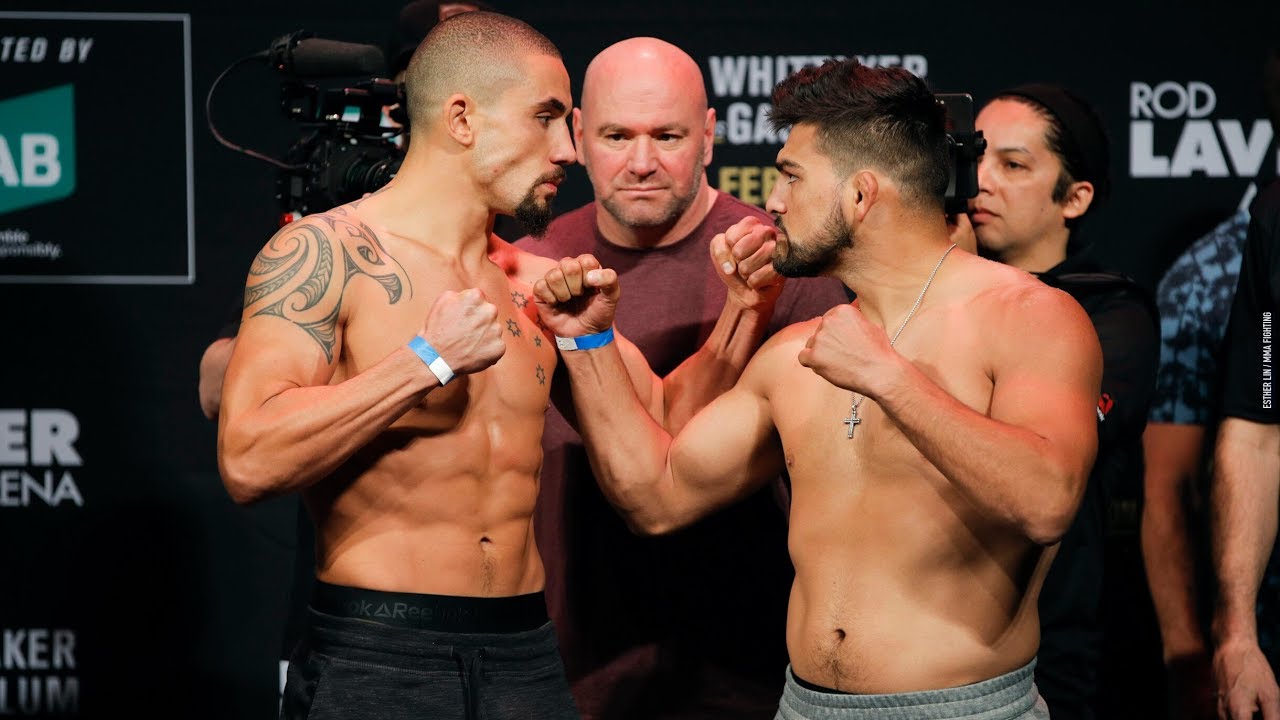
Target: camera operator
(1045, 167)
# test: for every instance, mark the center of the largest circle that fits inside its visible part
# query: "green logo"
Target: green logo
(37, 148)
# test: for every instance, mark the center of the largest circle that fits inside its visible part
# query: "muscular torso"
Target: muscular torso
(441, 501)
(901, 585)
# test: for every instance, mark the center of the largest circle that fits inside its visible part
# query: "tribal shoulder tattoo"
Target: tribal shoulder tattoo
(302, 273)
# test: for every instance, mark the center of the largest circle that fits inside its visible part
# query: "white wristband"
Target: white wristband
(435, 363)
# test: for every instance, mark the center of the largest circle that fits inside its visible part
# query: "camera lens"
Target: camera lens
(376, 174)
(367, 170)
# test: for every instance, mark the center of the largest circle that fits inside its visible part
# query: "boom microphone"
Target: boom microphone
(300, 55)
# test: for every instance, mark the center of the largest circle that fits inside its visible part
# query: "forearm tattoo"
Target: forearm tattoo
(295, 278)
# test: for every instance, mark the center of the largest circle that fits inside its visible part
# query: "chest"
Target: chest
(831, 432)
(378, 323)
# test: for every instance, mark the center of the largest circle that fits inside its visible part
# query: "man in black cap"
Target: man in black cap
(1044, 168)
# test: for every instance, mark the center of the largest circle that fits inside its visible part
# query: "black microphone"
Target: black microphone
(301, 55)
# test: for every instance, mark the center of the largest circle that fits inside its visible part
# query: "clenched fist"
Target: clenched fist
(577, 297)
(463, 328)
(743, 254)
(849, 351)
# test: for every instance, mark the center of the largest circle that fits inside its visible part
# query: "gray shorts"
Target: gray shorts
(440, 657)
(1012, 696)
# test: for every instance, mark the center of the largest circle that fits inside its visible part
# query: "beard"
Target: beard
(534, 214)
(816, 257)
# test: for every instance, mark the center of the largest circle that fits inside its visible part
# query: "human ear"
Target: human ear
(708, 136)
(1079, 198)
(459, 119)
(859, 193)
(577, 136)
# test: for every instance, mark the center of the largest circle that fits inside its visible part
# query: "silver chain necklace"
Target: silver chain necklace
(855, 399)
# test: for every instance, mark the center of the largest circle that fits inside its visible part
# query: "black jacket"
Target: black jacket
(1128, 326)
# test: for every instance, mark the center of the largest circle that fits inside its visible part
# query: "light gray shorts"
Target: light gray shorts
(1012, 696)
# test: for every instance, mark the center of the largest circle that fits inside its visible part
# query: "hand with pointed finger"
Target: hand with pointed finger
(577, 297)
(463, 328)
(850, 351)
(744, 256)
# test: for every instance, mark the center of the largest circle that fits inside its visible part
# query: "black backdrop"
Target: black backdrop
(128, 581)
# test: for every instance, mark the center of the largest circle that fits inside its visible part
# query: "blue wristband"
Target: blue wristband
(585, 342)
(434, 362)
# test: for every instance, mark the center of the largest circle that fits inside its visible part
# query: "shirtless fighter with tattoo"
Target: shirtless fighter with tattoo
(391, 367)
(938, 431)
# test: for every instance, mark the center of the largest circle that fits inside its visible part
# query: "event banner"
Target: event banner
(95, 149)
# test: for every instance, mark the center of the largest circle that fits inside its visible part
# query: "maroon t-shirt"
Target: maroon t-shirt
(693, 624)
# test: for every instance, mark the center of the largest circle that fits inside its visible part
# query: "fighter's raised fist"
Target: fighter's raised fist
(850, 351)
(463, 328)
(743, 254)
(577, 297)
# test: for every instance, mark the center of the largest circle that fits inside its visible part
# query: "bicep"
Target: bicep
(268, 359)
(291, 327)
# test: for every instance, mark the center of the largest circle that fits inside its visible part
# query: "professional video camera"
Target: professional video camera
(966, 145)
(348, 154)
(350, 148)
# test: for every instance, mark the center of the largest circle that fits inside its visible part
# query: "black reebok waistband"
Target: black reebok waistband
(445, 613)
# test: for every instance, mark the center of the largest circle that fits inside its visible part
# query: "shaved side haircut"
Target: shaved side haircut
(477, 53)
(883, 117)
